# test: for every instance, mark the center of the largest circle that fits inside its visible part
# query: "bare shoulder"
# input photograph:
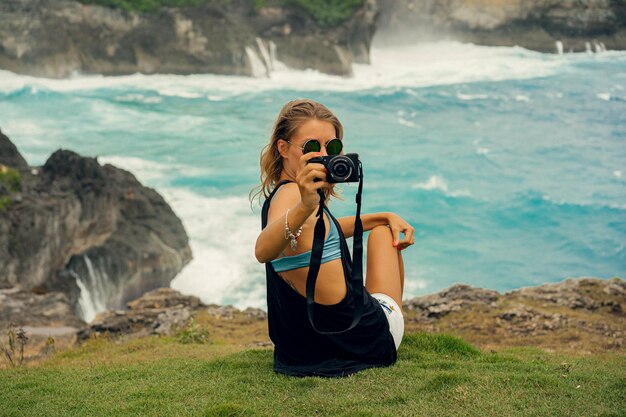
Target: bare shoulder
(287, 196)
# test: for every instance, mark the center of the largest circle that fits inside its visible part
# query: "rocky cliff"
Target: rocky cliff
(584, 315)
(578, 25)
(85, 237)
(55, 38)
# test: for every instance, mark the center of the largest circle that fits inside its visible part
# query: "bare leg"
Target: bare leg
(385, 269)
(401, 264)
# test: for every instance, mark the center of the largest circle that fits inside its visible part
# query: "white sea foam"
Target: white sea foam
(222, 234)
(462, 96)
(604, 96)
(408, 123)
(179, 92)
(419, 65)
(139, 98)
(153, 172)
(436, 182)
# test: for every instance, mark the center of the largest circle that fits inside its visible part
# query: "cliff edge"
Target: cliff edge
(540, 25)
(56, 38)
(77, 238)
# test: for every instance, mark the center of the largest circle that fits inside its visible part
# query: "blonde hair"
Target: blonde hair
(291, 117)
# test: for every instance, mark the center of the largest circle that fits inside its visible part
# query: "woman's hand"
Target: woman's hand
(398, 225)
(305, 177)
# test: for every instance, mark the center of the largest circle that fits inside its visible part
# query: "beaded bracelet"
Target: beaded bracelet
(291, 236)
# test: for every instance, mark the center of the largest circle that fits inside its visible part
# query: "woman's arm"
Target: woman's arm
(301, 198)
(271, 242)
(396, 224)
(369, 222)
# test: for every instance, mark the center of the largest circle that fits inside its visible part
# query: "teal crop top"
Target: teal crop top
(332, 250)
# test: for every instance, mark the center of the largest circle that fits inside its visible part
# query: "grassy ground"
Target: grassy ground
(436, 375)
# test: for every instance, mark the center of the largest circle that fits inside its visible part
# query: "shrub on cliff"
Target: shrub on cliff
(10, 182)
(326, 13)
(10, 179)
(146, 5)
(193, 333)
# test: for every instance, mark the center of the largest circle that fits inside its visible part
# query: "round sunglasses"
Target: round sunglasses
(333, 146)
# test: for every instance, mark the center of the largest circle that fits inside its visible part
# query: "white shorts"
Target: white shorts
(394, 316)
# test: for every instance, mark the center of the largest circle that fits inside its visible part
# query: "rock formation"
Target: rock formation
(55, 38)
(583, 314)
(91, 232)
(159, 312)
(534, 24)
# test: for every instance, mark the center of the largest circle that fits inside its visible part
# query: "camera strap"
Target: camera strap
(356, 280)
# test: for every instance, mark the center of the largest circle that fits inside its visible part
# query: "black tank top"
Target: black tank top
(301, 351)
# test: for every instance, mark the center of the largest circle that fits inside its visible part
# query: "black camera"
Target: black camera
(341, 168)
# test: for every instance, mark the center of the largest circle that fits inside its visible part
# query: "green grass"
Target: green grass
(11, 179)
(436, 375)
(4, 202)
(148, 5)
(326, 13)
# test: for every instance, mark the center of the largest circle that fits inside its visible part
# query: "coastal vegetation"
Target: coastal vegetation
(149, 5)
(326, 13)
(436, 375)
(10, 179)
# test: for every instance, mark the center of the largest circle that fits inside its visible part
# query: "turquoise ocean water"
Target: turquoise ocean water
(510, 164)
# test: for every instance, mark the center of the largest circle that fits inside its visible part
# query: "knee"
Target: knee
(381, 232)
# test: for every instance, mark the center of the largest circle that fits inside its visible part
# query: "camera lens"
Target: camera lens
(340, 168)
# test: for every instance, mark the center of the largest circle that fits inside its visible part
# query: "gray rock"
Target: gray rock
(164, 298)
(229, 312)
(173, 318)
(55, 38)
(451, 299)
(533, 24)
(523, 320)
(581, 293)
(9, 155)
(78, 222)
(222, 312)
(255, 313)
(591, 294)
(28, 309)
(162, 311)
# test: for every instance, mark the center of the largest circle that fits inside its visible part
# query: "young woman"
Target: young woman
(303, 130)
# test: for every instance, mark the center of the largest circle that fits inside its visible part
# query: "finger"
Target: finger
(319, 174)
(304, 159)
(319, 184)
(409, 236)
(396, 237)
(403, 243)
(406, 242)
(315, 167)
(304, 173)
